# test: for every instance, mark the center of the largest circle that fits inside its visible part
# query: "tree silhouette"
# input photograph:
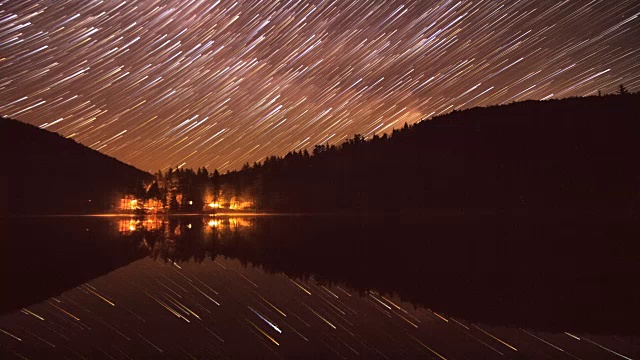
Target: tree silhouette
(622, 90)
(154, 191)
(174, 206)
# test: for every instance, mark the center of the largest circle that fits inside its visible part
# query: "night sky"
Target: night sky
(220, 83)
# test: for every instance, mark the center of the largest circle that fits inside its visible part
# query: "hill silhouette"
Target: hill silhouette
(566, 156)
(554, 156)
(47, 173)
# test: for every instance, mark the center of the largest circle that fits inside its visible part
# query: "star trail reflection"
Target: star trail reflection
(220, 83)
(182, 322)
(232, 291)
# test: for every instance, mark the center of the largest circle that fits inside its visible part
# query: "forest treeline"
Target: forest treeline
(569, 154)
(576, 154)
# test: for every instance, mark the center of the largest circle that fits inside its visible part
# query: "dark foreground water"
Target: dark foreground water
(392, 287)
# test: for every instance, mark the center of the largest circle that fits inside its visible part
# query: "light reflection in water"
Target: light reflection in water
(127, 225)
(189, 302)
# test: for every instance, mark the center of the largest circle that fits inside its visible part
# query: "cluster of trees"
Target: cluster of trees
(574, 153)
(186, 190)
(180, 190)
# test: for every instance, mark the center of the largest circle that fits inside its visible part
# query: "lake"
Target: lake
(322, 286)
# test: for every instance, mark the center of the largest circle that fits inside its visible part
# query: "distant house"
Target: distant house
(131, 204)
(232, 204)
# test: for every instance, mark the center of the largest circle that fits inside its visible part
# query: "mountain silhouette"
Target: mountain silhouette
(46, 173)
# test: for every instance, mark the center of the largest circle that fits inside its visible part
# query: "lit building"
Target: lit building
(130, 204)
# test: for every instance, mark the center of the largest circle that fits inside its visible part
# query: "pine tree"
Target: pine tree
(622, 90)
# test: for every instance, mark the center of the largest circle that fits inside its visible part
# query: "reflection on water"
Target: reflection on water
(210, 287)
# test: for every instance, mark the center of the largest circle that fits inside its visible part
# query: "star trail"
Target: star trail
(220, 83)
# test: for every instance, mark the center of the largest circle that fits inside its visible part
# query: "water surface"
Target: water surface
(319, 286)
